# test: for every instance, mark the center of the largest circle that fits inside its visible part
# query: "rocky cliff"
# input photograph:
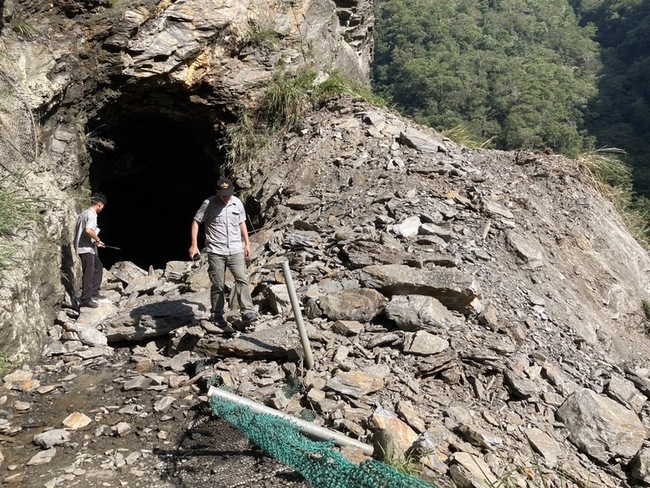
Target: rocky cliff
(79, 78)
(493, 301)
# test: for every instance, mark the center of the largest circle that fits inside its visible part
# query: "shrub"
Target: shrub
(289, 94)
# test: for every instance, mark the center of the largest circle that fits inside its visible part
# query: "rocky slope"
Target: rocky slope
(485, 306)
(81, 78)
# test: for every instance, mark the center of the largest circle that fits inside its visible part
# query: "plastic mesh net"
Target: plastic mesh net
(319, 464)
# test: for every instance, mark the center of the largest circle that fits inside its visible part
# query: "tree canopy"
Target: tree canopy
(620, 115)
(522, 72)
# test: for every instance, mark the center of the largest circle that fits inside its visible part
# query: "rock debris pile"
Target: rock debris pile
(477, 311)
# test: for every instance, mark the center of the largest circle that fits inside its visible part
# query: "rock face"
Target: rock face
(473, 304)
(72, 63)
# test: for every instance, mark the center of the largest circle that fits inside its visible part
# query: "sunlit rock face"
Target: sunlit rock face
(133, 99)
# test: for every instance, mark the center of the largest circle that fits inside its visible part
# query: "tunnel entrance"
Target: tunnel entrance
(156, 157)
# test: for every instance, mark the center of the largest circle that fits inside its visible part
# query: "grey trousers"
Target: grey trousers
(217, 266)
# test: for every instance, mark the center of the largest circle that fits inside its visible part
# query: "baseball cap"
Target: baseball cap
(225, 187)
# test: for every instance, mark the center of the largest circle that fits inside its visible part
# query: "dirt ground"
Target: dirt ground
(185, 446)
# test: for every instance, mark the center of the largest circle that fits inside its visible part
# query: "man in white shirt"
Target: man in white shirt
(227, 245)
(86, 242)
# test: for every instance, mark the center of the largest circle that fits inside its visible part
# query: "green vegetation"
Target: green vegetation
(531, 472)
(620, 115)
(519, 73)
(409, 465)
(606, 167)
(287, 97)
(262, 36)
(244, 140)
(292, 385)
(6, 364)
(565, 75)
(24, 28)
(534, 476)
(613, 177)
(336, 83)
(16, 212)
(289, 94)
(460, 135)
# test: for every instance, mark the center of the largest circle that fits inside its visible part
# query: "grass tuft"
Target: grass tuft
(246, 139)
(24, 29)
(531, 475)
(606, 166)
(613, 178)
(262, 37)
(286, 98)
(336, 83)
(461, 135)
(16, 212)
(406, 463)
(289, 94)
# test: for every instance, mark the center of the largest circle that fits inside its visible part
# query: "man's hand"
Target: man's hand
(194, 251)
(244, 238)
(100, 244)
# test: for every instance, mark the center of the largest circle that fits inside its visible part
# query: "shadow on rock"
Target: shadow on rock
(152, 320)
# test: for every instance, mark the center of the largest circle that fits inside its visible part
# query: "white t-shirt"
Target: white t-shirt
(82, 242)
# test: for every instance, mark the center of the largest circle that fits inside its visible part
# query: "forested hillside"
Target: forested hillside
(565, 75)
(620, 114)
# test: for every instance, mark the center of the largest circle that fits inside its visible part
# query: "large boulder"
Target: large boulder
(600, 426)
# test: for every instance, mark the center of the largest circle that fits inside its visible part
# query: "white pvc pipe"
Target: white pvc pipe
(304, 426)
(309, 359)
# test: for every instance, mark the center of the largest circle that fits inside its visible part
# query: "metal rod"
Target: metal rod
(304, 426)
(309, 359)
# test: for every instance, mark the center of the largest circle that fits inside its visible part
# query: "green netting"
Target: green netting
(292, 385)
(307, 415)
(320, 465)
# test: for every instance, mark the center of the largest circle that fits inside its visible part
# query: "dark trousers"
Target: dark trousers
(93, 270)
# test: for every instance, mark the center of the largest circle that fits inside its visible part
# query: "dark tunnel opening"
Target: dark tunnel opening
(163, 160)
